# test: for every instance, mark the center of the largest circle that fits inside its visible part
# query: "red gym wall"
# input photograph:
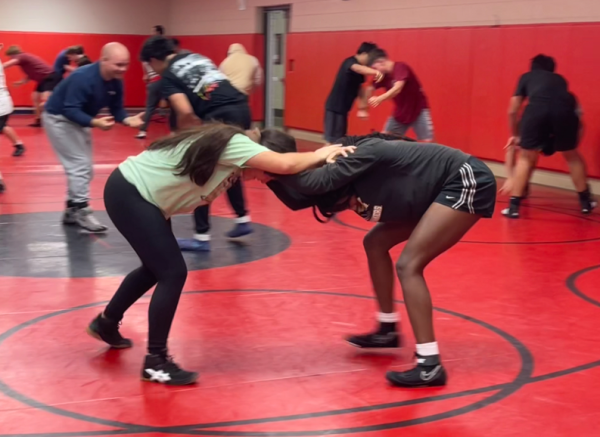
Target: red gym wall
(468, 74)
(48, 45)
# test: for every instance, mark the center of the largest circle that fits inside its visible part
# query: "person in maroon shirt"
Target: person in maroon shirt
(38, 71)
(402, 85)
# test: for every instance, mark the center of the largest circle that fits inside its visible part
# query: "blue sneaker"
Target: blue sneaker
(240, 230)
(193, 245)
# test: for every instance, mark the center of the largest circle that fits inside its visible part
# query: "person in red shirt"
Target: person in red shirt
(402, 85)
(37, 70)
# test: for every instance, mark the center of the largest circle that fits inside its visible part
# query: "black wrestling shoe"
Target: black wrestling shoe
(429, 372)
(375, 340)
(162, 369)
(511, 212)
(19, 150)
(587, 205)
(108, 331)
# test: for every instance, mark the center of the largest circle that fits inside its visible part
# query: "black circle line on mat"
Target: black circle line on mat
(340, 222)
(130, 428)
(522, 379)
(573, 288)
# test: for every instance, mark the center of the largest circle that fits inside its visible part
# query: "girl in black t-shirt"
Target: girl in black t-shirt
(427, 195)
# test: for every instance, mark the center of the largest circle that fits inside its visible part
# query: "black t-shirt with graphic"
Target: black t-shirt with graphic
(205, 86)
(345, 88)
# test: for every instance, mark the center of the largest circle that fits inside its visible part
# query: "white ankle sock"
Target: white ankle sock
(388, 317)
(245, 219)
(428, 349)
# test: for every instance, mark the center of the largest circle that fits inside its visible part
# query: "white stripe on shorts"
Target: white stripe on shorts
(469, 188)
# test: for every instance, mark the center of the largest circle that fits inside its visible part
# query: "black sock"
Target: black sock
(584, 195)
(386, 328)
(515, 202)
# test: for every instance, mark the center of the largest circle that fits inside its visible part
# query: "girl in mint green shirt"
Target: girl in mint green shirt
(174, 176)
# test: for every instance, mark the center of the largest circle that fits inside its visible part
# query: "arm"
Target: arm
(333, 176)
(116, 106)
(285, 163)
(258, 75)
(363, 97)
(515, 104)
(186, 117)
(513, 113)
(70, 68)
(364, 70)
(10, 63)
(509, 163)
(393, 91)
(179, 103)
(75, 99)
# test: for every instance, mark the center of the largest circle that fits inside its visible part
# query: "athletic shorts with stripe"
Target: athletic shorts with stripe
(472, 190)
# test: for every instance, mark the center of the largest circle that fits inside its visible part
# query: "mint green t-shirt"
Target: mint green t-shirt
(152, 172)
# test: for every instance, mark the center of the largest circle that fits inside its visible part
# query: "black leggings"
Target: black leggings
(148, 232)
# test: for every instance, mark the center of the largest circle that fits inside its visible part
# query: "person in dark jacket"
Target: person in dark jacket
(429, 196)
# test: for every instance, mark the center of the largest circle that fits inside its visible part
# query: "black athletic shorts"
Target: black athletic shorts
(472, 190)
(3, 121)
(336, 126)
(549, 130)
(48, 83)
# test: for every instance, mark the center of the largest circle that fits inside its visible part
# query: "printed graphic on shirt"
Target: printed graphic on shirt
(223, 186)
(199, 74)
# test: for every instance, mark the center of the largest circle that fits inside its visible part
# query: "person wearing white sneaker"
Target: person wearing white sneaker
(428, 196)
(174, 176)
(69, 115)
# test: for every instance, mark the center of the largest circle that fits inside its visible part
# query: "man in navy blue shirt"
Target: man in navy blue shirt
(69, 116)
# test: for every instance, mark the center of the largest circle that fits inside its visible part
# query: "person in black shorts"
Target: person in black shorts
(550, 123)
(197, 91)
(346, 88)
(429, 196)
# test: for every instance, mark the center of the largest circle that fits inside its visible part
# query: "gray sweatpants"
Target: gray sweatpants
(73, 146)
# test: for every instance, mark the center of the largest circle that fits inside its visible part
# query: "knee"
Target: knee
(408, 265)
(175, 275)
(528, 156)
(572, 156)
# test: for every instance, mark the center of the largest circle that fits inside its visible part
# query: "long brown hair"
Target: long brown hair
(205, 146)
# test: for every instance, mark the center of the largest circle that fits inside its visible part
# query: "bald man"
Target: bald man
(69, 116)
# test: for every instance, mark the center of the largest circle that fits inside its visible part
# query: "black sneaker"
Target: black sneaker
(162, 369)
(429, 372)
(587, 205)
(108, 331)
(511, 212)
(19, 150)
(375, 340)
